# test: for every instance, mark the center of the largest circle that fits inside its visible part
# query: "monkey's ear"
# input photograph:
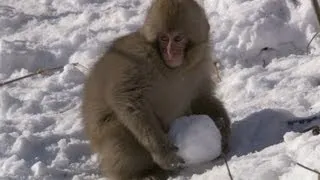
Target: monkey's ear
(149, 32)
(200, 2)
(193, 15)
(154, 22)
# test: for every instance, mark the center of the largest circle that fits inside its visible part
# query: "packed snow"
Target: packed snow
(268, 78)
(197, 137)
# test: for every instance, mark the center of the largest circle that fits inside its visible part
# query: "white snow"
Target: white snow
(197, 137)
(267, 75)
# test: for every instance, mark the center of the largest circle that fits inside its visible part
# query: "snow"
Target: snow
(197, 137)
(268, 78)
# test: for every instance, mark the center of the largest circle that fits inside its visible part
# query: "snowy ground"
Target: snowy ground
(267, 79)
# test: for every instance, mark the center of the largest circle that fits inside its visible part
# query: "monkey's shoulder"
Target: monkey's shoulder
(130, 39)
(133, 45)
(134, 51)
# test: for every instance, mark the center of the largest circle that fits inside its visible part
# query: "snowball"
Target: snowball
(197, 137)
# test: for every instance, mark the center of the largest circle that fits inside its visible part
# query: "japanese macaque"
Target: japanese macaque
(145, 81)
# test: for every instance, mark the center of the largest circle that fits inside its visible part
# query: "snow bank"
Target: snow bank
(254, 32)
(290, 83)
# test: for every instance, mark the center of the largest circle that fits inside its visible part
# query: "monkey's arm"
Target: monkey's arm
(135, 113)
(207, 103)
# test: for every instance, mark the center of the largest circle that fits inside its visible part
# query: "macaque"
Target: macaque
(143, 83)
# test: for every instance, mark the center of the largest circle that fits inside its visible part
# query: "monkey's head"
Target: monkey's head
(175, 27)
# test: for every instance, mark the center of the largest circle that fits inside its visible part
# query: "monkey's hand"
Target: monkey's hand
(168, 159)
(225, 146)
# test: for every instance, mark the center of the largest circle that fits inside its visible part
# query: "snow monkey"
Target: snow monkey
(145, 81)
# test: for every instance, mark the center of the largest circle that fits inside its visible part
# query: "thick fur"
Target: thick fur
(131, 97)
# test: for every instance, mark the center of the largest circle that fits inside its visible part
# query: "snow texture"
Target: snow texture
(268, 78)
(197, 137)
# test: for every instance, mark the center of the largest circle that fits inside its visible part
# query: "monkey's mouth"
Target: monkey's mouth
(173, 61)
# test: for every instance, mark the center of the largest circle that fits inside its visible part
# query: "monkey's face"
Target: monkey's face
(172, 48)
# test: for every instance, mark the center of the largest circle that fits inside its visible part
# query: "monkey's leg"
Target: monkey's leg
(213, 107)
(122, 157)
(156, 174)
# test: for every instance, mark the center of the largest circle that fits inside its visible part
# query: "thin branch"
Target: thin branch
(307, 168)
(41, 71)
(80, 65)
(308, 46)
(316, 8)
(315, 130)
(226, 162)
(303, 120)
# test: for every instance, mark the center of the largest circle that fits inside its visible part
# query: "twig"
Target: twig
(80, 65)
(307, 168)
(30, 75)
(225, 161)
(314, 36)
(303, 120)
(316, 8)
(41, 71)
(315, 130)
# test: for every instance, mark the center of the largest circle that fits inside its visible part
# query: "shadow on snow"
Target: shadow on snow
(254, 133)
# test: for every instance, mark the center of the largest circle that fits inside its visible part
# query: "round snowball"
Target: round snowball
(197, 137)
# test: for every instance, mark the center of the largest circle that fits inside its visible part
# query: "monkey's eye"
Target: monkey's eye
(178, 38)
(163, 38)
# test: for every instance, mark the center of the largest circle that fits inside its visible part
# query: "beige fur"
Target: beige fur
(131, 96)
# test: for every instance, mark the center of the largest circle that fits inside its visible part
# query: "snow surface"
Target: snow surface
(197, 137)
(267, 79)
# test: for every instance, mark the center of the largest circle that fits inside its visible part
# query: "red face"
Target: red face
(172, 47)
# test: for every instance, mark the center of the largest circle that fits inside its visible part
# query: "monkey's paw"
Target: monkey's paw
(225, 147)
(170, 161)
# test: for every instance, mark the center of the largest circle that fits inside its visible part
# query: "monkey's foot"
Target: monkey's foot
(155, 177)
(157, 174)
